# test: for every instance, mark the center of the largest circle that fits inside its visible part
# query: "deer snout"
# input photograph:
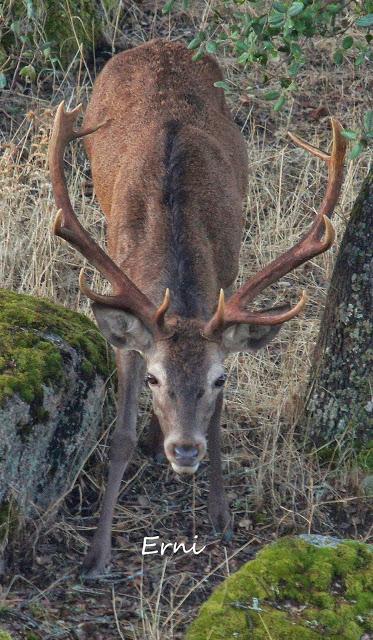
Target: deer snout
(185, 457)
(186, 454)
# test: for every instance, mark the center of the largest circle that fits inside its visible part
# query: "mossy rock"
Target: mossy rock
(53, 368)
(302, 588)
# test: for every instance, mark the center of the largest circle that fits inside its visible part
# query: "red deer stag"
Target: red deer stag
(169, 168)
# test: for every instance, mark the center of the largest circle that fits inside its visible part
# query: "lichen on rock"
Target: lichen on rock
(53, 367)
(295, 589)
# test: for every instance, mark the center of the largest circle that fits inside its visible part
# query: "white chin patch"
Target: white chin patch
(187, 470)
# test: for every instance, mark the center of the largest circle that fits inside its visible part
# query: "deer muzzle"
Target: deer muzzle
(185, 457)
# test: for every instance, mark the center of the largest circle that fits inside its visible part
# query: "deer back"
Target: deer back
(169, 169)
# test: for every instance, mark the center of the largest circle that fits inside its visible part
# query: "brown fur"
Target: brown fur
(140, 91)
(169, 170)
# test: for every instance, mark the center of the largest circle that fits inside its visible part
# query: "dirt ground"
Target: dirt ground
(274, 486)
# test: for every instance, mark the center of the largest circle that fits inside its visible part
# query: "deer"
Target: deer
(170, 169)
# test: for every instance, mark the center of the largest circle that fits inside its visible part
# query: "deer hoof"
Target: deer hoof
(221, 520)
(95, 566)
(227, 535)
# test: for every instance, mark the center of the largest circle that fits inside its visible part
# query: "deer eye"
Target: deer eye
(220, 382)
(151, 380)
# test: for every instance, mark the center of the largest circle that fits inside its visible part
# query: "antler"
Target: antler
(126, 294)
(319, 238)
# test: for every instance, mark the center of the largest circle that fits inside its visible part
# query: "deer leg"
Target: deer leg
(130, 367)
(217, 502)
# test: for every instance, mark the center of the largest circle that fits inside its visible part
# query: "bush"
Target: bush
(258, 33)
(40, 35)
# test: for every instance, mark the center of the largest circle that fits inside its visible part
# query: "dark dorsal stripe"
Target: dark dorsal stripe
(183, 282)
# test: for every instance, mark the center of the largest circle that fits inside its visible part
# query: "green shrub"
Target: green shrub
(39, 35)
(258, 32)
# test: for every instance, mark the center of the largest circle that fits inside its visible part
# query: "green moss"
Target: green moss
(5, 635)
(293, 590)
(30, 329)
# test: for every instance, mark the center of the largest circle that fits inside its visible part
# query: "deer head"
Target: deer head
(184, 357)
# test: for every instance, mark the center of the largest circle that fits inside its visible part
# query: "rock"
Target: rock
(53, 367)
(302, 588)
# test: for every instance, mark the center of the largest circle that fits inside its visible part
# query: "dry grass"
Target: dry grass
(274, 486)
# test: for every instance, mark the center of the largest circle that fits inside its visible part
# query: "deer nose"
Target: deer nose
(186, 454)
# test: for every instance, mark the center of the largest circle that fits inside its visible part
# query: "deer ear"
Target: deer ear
(250, 337)
(122, 329)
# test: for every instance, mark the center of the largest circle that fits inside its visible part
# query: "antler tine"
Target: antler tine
(218, 319)
(162, 309)
(335, 163)
(68, 227)
(259, 317)
(319, 238)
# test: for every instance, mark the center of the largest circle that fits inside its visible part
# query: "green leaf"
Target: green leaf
(243, 58)
(338, 56)
(194, 44)
(16, 27)
(294, 69)
(365, 21)
(271, 95)
(360, 59)
(2, 80)
(167, 8)
(211, 47)
(296, 51)
(276, 19)
(334, 8)
(295, 9)
(280, 6)
(30, 9)
(279, 104)
(198, 56)
(28, 72)
(368, 121)
(356, 150)
(349, 134)
(347, 43)
(221, 84)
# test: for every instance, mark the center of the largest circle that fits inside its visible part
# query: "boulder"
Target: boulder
(302, 588)
(53, 368)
